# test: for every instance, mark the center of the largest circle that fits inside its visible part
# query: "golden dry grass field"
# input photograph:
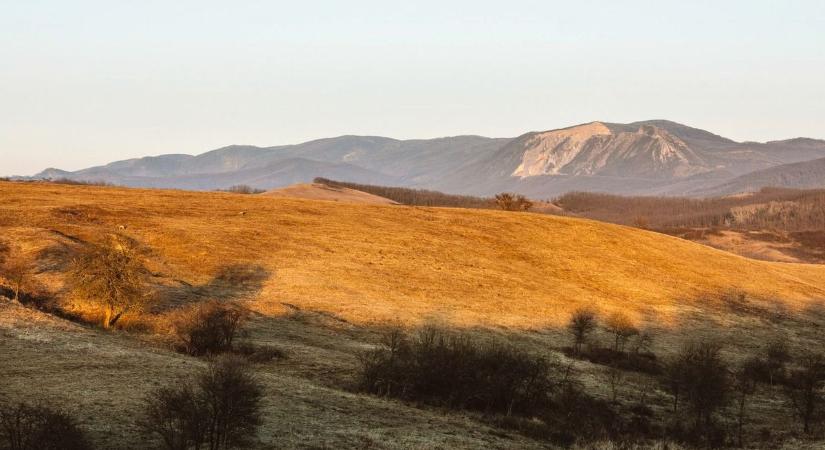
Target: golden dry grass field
(318, 191)
(319, 276)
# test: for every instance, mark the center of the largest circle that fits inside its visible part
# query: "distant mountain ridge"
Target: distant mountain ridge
(649, 157)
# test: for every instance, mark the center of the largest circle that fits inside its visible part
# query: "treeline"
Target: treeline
(770, 208)
(415, 197)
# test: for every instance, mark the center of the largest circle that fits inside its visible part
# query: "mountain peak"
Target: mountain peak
(640, 150)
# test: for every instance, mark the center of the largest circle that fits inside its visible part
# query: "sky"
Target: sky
(84, 83)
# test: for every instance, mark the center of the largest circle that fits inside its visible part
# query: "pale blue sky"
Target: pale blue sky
(89, 82)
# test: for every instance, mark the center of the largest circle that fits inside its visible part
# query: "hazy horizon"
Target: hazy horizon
(91, 82)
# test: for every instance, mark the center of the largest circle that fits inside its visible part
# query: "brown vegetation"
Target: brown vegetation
(111, 275)
(243, 189)
(508, 201)
(208, 328)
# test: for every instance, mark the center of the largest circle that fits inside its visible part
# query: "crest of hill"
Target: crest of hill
(318, 191)
(379, 263)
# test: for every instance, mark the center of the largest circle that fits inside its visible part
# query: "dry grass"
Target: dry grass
(318, 275)
(371, 264)
(318, 191)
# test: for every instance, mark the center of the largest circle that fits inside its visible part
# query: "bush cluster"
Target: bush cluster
(25, 426)
(449, 369)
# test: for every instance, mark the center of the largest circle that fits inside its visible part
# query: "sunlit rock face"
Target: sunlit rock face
(599, 149)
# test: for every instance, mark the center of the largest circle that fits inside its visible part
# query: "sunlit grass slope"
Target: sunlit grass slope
(374, 263)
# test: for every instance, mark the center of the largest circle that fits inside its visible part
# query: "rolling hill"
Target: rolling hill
(321, 279)
(368, 263)
(648, 157)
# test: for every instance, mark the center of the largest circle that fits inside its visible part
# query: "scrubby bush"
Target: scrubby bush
(699, 375)
(221, 410)
(24, 426)
(113, 276)
(15, 269)
(209, 328)
(175, 416)
(508, 201)
(243, 189)
(452, 370)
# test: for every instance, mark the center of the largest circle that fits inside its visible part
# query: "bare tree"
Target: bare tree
(643, 343)
(804, 388)
(744, 385)
(700, 376)
(111, 275)
(622, 329)
(615, 377)
(513, 202)
(220, 411)
(582, 323)
(777, 355)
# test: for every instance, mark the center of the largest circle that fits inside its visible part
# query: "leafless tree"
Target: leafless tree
(777, 356)
(804, 388)
(744, 385)
(622, 328)
(582, 323)
(221, 410)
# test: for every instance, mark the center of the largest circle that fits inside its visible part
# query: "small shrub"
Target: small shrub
(220, 411)
(209, 328)
(38, 427)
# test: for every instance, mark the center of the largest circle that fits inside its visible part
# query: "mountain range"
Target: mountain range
(655, 157)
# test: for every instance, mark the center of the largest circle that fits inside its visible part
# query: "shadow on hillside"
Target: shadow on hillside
(231, 282)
